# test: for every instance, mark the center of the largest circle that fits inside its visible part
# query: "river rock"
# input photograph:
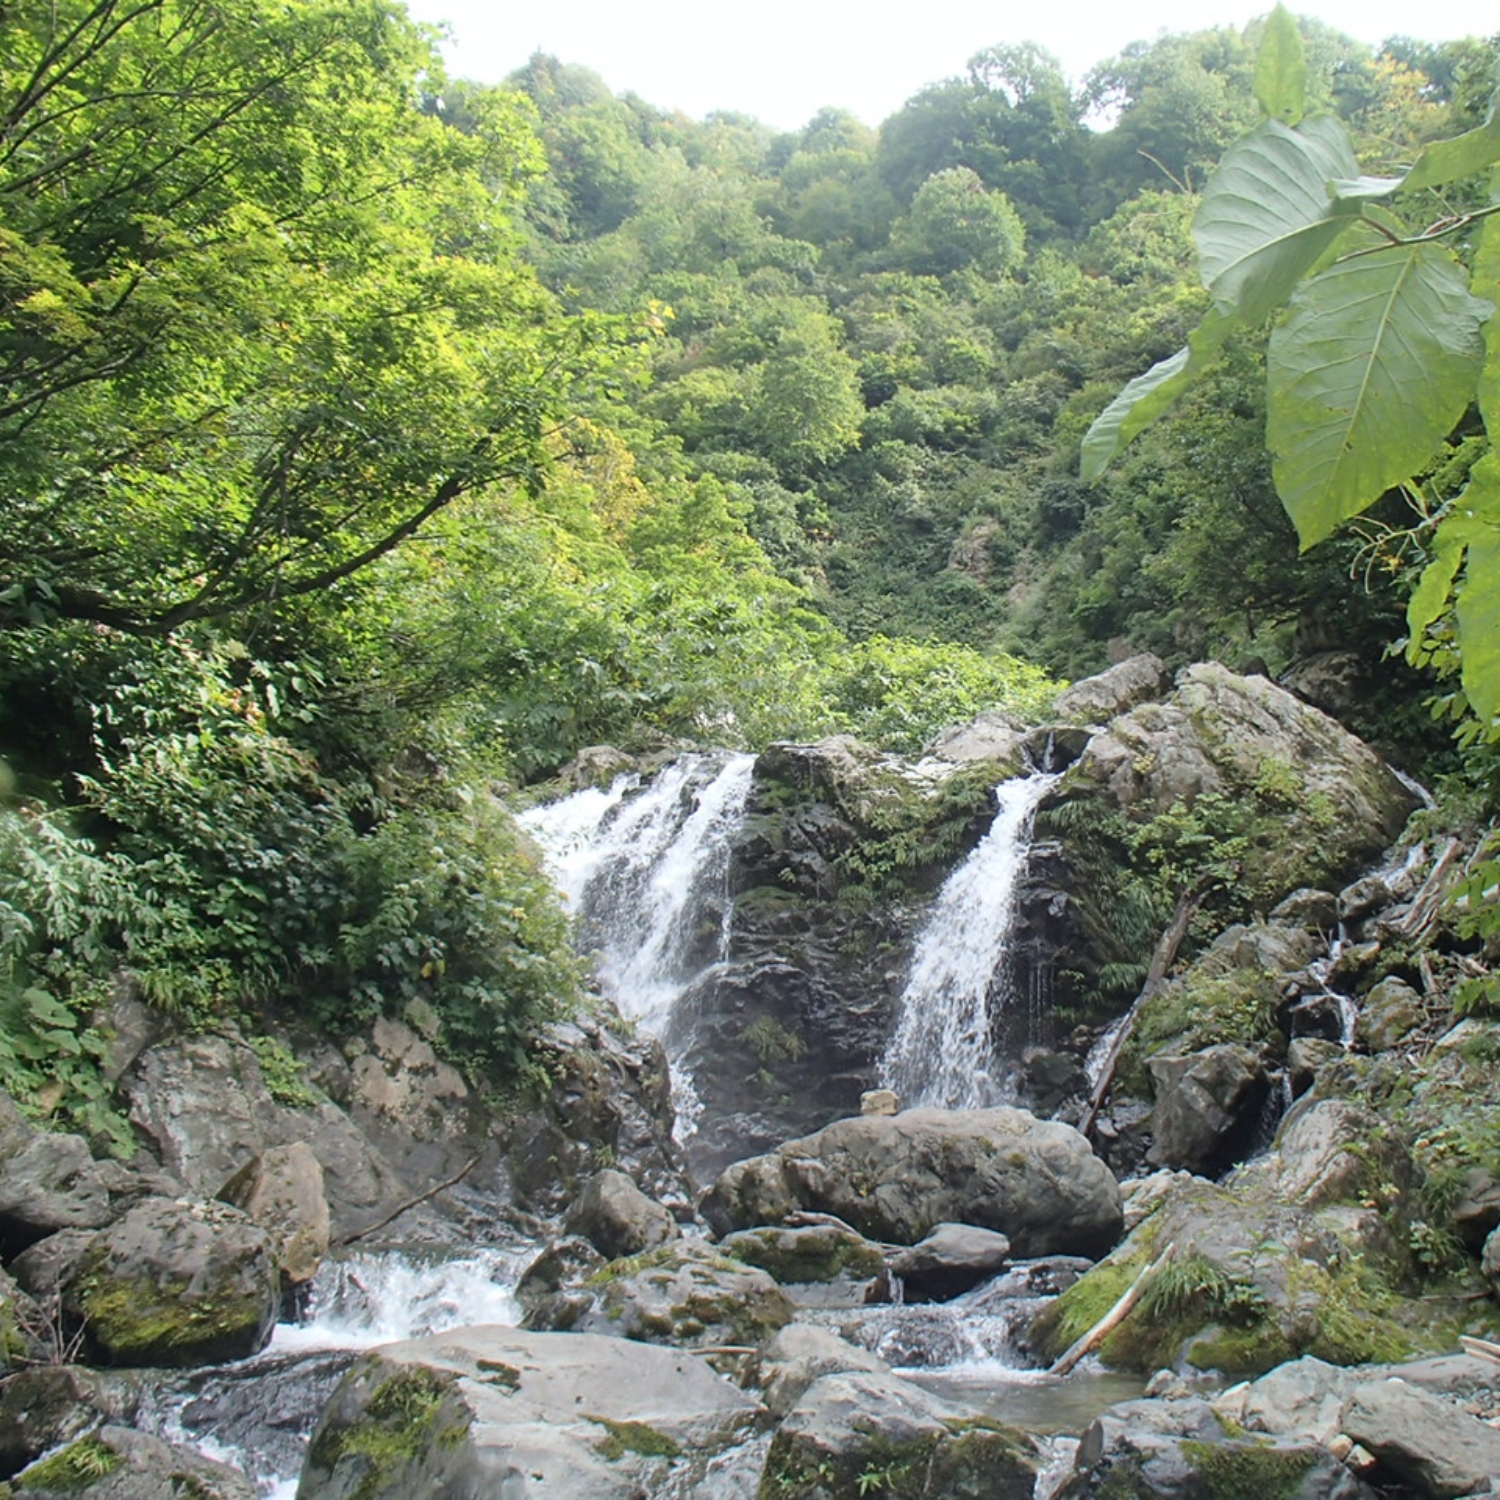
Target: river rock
(564, 1261)
(801, 1353)
(847, 1430)
(993, 735)
(282, 1191)
(1388, 1015)
(684, 1294)
(48, 1405)
(809, 1253)
(1208, 1106)
(1118, 689)
(617, 1218)
(1489, 1260)
(175, 1283)
(1333, 1151)
(48, 1181)
(117, 1463)
(44, 1268)
(950, 1260)
(1422, 1440)
(500, 1412)
(1179, 1449)
(893, 1178)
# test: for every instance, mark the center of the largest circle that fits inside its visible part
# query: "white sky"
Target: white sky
(783, 60)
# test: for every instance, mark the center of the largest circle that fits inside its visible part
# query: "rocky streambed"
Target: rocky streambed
(1257, 1268)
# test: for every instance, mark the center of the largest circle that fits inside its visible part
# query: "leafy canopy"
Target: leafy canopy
(1384, 337)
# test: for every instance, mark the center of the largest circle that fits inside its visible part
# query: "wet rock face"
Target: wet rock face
(116, 1463)
(895, 1177)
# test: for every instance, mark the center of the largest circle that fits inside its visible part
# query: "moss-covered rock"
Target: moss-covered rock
(116, 1463)
(811, 1253)
(174, 1282)
(684, 1294)
(860, 1434)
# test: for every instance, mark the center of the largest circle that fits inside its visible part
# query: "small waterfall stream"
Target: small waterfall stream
(645, 873)
(941, 1052)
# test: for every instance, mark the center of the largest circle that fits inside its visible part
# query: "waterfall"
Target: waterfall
(941, 1053)
(645, 873)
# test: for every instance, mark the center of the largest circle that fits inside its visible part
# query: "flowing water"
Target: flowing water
(941, 1053)
(645, 871)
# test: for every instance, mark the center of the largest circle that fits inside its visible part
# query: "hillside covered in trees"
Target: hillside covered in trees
(371, 442)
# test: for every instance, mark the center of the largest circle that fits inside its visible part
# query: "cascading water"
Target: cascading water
(646, 874)
(941, 1053)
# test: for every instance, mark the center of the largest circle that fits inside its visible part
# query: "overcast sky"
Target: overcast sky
(783, 60)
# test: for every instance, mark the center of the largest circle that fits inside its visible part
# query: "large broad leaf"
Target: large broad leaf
(1463, 156)
(1267, 216)
(1281, 69)
(1479, 625)
(1151, 395)
(1484, 281)
(1367, 375)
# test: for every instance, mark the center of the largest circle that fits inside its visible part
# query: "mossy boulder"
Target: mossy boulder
(491, 1411)
(48, 1406)
(807, 1253)
(1304, 1251)
(855, 1434)
(117, 1463)
(685, 1294)
(175, 1282)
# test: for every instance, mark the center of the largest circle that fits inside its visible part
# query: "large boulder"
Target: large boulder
(50, 1405)
(683, 1293)
(802, 1353)
(48, 1181)
(1208, 1107)
(1421, 1440)
(808, 1253)
(1118, 689)
(895, 1177)
(501, 1412)
(175, 1283)
(850, 1431)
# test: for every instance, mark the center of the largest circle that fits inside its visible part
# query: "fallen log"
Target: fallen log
(1106, 1325)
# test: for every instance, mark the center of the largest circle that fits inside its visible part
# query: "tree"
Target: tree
(957, 223)
(260, 318)
(1383, 339)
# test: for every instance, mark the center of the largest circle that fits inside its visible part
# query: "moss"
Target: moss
(633, 1437)
(1232, 1471)
(407, 1412)
(497, 1372)
(788, 1256)
(75, 1467)
(138, 1320)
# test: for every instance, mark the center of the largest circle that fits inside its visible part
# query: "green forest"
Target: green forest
(372, 441)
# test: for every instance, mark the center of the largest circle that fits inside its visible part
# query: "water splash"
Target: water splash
(941, 1053)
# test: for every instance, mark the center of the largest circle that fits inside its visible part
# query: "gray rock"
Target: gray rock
(43, 1268)
(893, 1178)
(282, 1191)
(1178, 1449)
(950, 1260)
(1315, 910)
(809, 1253)
(1421, 1439)
(1303, 1399)
(1389, 1014)
(116, 1463)
(175, 1283)
(1306, 1056)
(561, 1263)
(802, 1353)
(48, 1181)
(508, 1414)
(1331, 1151)
(992, 735)
(1208, 1105)
(1489, 1260)
(683, 1294)
(1330, 680)
(53, 1404)
(1476, 1213)
(22, 1326)
(852, 1425)
(617, 1218)
(1098, 699)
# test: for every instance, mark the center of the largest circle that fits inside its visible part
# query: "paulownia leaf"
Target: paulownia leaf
(1479, 625)
(1484, 281)
(1267, 216)
(1367, 375)
(1463, 156)
(1151, 395)
(1360, 189)
(1281, 69)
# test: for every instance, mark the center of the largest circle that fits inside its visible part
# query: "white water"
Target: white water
(645, 872)
(941, 1053)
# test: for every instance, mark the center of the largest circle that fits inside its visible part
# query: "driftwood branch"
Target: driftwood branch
(1112, 1319)
(1161, 960)
(1482, 1347)
(400, 1208)
(1423, 910)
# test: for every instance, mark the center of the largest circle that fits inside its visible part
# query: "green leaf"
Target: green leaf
(1463, 156)
(1267, 217)
(1281, 69)
(1484, 281)
(1149, 396)
(1479, 625)
(1366, 376)
(1430, 597)
(1358, 190)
